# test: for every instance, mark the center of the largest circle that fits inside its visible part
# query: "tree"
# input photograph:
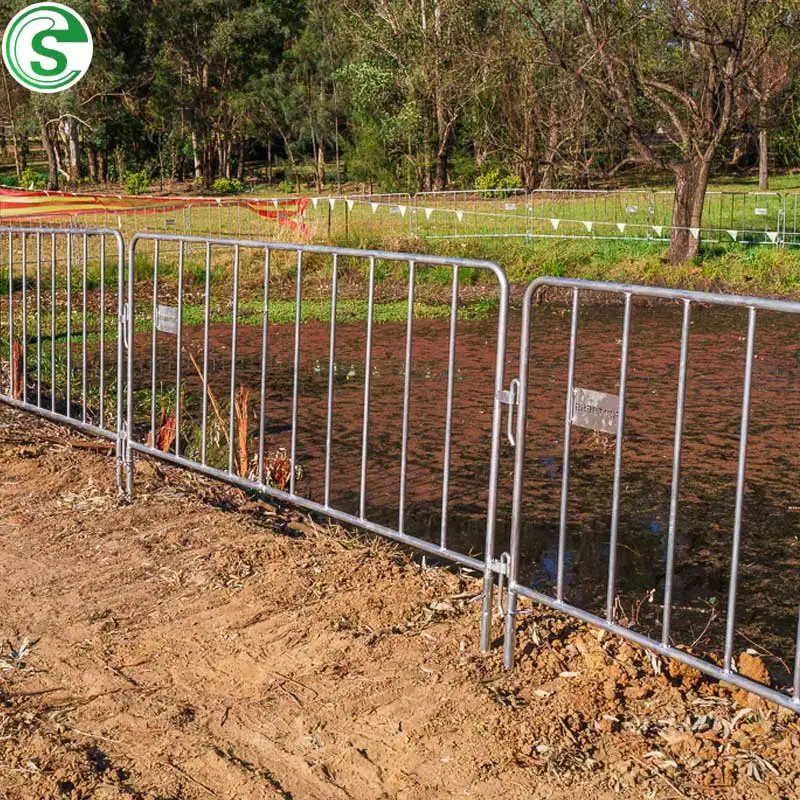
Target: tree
(675, 71)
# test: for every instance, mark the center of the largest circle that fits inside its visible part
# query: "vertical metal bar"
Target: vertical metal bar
(103, 331)
(298, 316)
(730, 622)
(153, 344)
(331, 367)
(234, 335)
(406, 395)
(52, 322)
(796, 682)
(362, 503)
(11, 377)
(206, 311)
(519, 464)
(39, 319)
(125, 456)
(69, 324)
(494, 465)
(84, 267)
(676, 473)
(623, 377)
(179, 352)
(24, 318)
(264, 363)
(448, 422)
(562, 527)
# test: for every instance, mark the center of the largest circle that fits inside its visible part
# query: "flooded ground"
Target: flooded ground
(768, 592)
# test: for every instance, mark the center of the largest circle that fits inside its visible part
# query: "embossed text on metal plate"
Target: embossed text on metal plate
(597, 411)
(167, 319)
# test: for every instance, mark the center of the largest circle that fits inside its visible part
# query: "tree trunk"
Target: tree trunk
(198, 167)
(102, 174)
(74, 146)
(52, 161)
(691, 182)
(552, 148)
(763, 160)
(240, 165)
(207, 162)
(91, 158)
(444, 136)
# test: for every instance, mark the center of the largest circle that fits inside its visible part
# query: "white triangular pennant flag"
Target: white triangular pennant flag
(460, 215)
(374, 207)
(428, 212)
(314, 201)
(588, 225)
(555, 223)
(402, 210)
(695, 232)
(621, 226)
(733, 234)
(350, 204)
(332, 201)
(275, 203)
(773, 235)
(659, 229)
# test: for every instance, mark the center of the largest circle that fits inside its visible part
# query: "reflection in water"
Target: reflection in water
(768, 582)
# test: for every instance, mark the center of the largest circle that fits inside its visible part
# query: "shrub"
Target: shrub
(227, 186)
(498, 179)
(286, 186)
(137, 182)
(30, 179)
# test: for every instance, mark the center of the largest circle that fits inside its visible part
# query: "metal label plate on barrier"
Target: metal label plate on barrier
(509, 206)
(761, 212)
(597, 411)
(167, 319)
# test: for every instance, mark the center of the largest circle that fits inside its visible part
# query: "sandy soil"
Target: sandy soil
(198, 644)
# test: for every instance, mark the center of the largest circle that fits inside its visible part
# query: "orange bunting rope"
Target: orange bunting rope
(17, 205)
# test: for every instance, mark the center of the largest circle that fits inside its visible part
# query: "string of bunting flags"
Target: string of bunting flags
(16, 205)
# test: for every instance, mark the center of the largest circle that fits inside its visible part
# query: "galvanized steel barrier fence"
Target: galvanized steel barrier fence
(56, 291)
(769, 218)
(189, 339)
(607, 413)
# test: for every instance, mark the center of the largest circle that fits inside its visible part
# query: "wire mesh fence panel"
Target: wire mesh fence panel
(651, 481)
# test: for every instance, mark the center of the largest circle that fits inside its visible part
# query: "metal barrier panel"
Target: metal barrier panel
(60, 325)
(603, 417)
(235, 374)
(474, 213)
(593, 214)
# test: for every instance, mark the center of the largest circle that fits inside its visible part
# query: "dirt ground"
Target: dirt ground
(198, 644)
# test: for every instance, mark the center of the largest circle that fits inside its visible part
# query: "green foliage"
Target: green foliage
(137, 182)
(31, 179)
(496, 179)
(286, 186)
(227, 186)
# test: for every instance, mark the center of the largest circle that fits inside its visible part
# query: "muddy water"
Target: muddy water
(768, 591)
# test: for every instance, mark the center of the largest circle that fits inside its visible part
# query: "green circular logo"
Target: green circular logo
(47, 47)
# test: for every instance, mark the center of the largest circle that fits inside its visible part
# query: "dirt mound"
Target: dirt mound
(198, 644)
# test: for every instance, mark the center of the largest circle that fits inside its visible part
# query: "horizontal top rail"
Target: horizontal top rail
(740, 301)
(385, 255)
